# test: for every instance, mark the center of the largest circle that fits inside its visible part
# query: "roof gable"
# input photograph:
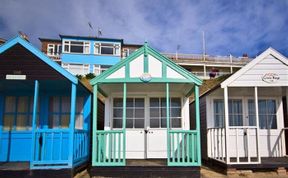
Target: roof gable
(39, 54)
(146, 65)
(256, 72)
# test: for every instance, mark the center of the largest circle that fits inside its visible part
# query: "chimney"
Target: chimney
(24, 36)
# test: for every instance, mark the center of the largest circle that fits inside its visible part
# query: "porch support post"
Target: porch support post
(34, 117)
(94, 122)
(257, 122)
(168, 121)
(226, 110)
(72, 124)
(124, 121)
(197, 112)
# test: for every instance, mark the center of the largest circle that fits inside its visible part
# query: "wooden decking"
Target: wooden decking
(266, 164)
(146, 168)
(22, 169)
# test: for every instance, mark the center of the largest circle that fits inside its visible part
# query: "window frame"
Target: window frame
(127, 107)
(28, 114)
(115, 46)
(68, 43)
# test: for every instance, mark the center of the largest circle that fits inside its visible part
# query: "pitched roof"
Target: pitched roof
(243, 70)
(164, 68)
(209, 86)
(18, 40)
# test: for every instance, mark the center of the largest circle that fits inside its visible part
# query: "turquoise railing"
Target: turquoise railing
(81, 141)
(110, 148)
(51, 148)
(183, 148)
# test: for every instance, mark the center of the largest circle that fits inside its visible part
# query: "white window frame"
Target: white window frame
(85, 68)
(116, 48)
(147, 108)
(86, 45)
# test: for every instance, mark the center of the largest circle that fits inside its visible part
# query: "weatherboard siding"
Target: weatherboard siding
(254, 76)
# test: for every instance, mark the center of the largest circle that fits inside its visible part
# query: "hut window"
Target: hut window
(158, 112)
(235, 112)
(134, 112)
(267, 113)
(18, 113)
(79, 113)
(59, 112)
(218, 113)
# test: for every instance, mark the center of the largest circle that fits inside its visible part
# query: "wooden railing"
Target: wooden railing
(110, 148)
(80, 152)
(51, 148)
(183, 148)
(216, 143)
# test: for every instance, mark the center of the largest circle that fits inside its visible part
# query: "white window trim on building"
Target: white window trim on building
(82, 70)
(51, 49)
(116, 48)
(67, 43)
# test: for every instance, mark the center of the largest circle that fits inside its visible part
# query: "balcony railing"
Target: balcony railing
(197, 58)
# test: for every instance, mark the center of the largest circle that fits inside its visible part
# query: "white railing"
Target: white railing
(243, 145)
(216, 143)
(208, 58)
(206, 75)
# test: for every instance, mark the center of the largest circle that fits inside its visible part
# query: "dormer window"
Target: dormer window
(107, 49)
(80, 47)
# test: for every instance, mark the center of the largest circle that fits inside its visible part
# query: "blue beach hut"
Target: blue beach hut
(44, 111)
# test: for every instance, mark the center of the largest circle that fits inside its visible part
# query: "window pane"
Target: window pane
(129, 123)
(175, 112)
(139, 123)
(262, 121)
(117, 102)
(176, 123)
(21, 122)
(163, 123)
(76, 49)
(65, 120)
(79, 104)
(154, 123)
(106, 50)
(117, 113)
(117, 123)
(8, 122)
(139, 113)
(129, 113)
(10, 103)
(163, 102)
(163, 112)
(65, 104)
(154, 102)
(175, 102)
(22, 104)
(271, 107)
(54, 121)
(129, 102)
(54, 104)
(154, 112)
(139, 102)
(272, 123)
(79, 121)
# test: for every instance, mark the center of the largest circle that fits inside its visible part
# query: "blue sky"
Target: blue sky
(231, 26)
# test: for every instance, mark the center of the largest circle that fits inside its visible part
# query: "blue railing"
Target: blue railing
(51, 148)
(81, 141)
